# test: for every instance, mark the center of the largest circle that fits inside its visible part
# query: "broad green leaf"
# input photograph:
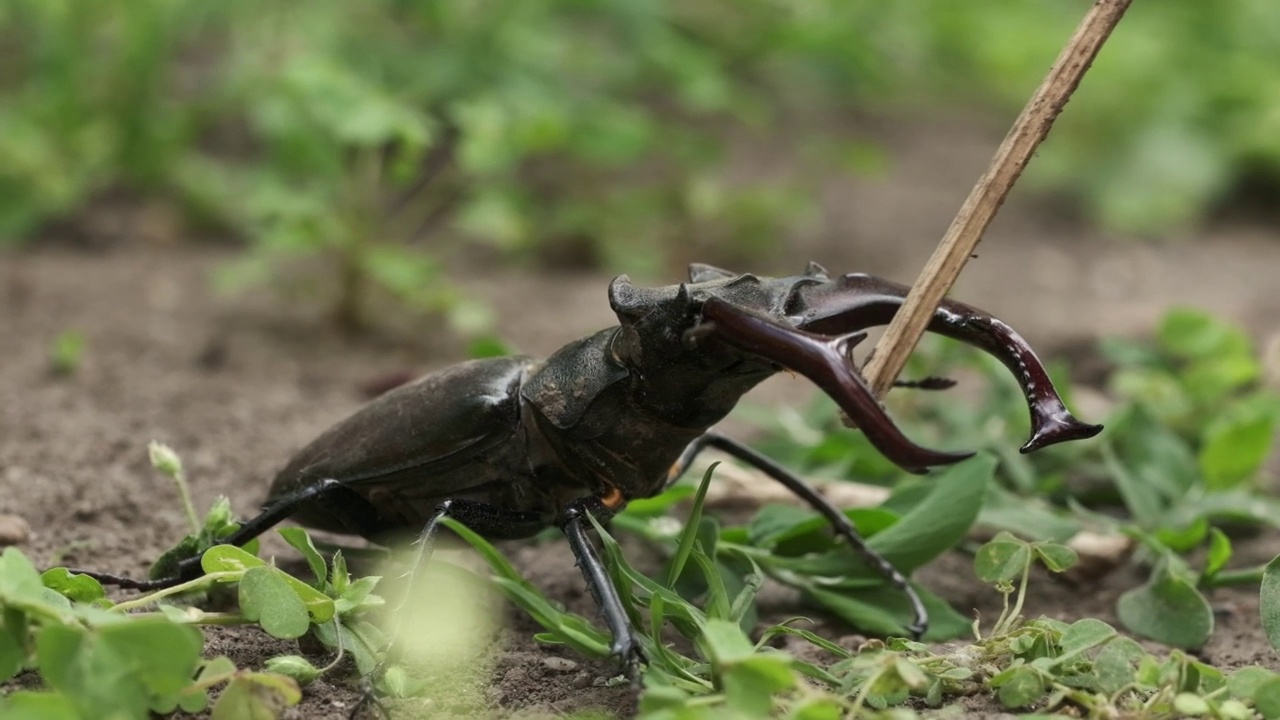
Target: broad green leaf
(13, 653)
(1055, 557)
(1189, 704)
(751, 682)
(725, 641)
(301, 541)
(884, 610)
(1234, 451)
(1115, 665)
(38, 705)
(1151, 465)
(248, 698)
(1083, 635)
(1004, 558)
(1244, 683)
(1192, 334)
(20, 583)
(1019, 687)
(941, 519)
(265, 596)
(1266, 699)
(1169, 609)
(229, 558)
(294, 666)
(162, 654)
(73, 586)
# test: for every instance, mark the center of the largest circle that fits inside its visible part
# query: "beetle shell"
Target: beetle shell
(454, 433)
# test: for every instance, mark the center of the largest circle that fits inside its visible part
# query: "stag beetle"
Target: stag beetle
(510, 446)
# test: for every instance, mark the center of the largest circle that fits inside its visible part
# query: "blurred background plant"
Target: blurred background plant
(356, 147)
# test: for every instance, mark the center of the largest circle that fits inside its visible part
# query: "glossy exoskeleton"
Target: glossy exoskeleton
(510, 446)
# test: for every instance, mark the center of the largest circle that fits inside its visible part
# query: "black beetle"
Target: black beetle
(510, 446)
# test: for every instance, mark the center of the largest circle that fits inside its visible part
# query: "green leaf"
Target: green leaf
(20, 583)
(13, 651)
(301, 541)
(1219, 553)
(1152, 466)
(1192, 334)
(686, 540)
(229, 558)
(1168, 609)
(1266, 699)
(1189, 704)
(1115, 665)
(294, 666)
(1234, 451)
(751, 682)
(265, 596)
(255, 696)
(1245, 682)
(1019, 687)
(38, 705)
(725, 641)
(1269, 602)
(73, 586)
(1055, 557)
(1004, 558)
(884, 610)
(1082, 635)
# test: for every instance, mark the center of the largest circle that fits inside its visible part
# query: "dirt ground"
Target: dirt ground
(237, 385)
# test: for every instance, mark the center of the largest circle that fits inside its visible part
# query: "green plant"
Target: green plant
(66, 352)
(1180, 458)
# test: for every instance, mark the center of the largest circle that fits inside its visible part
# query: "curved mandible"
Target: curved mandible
(856, 301)
(825, 361)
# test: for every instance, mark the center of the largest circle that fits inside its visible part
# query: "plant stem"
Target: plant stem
(188, 586)
(957, 245)
(1244, 576)
(180, 479)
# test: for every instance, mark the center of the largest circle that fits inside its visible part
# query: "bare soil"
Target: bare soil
(237, 385)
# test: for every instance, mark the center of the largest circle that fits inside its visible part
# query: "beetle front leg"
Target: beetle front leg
(840, 522)
(573, 523)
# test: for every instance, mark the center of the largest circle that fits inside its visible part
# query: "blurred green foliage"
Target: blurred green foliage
(369, 138)
(1181, 109)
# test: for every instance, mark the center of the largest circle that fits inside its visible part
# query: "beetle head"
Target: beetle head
(653, 341)
(656, 319)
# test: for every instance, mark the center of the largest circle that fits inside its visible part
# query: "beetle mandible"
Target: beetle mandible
(509, 446)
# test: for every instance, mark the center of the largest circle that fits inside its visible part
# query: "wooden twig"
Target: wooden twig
(976, 214)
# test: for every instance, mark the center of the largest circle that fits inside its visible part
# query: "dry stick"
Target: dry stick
(975, 215)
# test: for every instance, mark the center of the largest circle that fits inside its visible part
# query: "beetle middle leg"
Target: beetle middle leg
(840, 522)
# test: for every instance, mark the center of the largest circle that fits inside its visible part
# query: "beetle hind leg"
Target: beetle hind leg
(840, 523)
(343, 502)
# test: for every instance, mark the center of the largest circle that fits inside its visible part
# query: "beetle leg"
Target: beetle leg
(826, 362)
(840, 522)
(625, 645)
(341, 500)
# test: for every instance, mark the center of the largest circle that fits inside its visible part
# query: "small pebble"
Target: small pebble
(582, 680)
(14, 530)
(559, 664)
